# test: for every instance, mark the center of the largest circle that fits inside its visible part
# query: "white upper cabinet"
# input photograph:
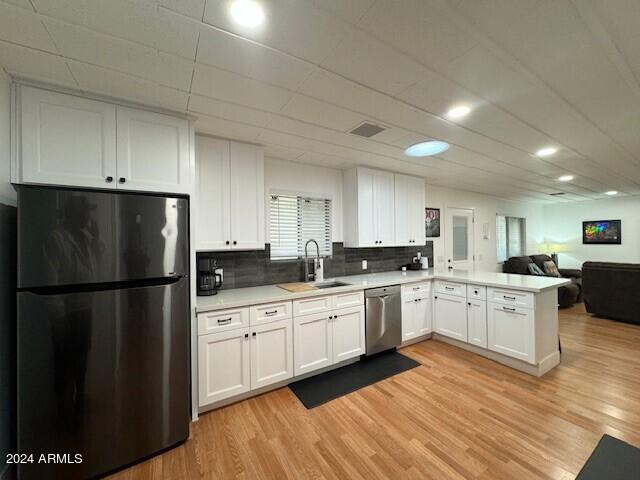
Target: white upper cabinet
(73, 141)
(409, 210)
(65, 140)
(230, 195)
(369, 212)
(153, 151)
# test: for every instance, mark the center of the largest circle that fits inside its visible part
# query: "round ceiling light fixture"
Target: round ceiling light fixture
(247, 13)
(459, 111)
(426, 149)
(565, 178)
(546, 152)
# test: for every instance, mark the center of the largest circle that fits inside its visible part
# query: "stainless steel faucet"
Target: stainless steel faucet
(308, 276)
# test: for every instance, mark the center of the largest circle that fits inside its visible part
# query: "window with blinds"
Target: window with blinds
(510, 237)
(294, 220)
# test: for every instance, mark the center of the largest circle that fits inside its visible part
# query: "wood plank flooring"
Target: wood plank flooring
(458, 416)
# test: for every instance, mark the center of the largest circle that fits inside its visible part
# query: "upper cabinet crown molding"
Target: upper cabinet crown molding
(382, 209)
(74, 141)
(229, 195)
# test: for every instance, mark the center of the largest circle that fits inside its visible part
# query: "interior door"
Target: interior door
(459, 238)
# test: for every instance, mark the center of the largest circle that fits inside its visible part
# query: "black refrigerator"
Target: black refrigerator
(103, 329)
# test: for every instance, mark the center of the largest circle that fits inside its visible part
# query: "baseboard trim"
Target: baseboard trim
(536, 370)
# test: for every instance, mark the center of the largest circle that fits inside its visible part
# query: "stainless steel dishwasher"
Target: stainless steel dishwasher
(383, 318)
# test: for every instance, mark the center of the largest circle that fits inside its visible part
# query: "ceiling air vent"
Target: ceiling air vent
(367, 130)
(557, 194)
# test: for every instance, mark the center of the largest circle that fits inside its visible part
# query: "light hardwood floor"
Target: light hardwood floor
(456, 416)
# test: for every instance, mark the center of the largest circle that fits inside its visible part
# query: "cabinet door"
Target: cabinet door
(271, 353)
(451, 316)
(477, 322)
(510, 331)
(403, 227)
(424, 316)
(153, 152)
(409, 317)
(66, 140)
(247, 196)
(213, 221)
(415, 212)
(366, 208)
(348, 333)
(384, 201)
(223, 365)
(312, 342)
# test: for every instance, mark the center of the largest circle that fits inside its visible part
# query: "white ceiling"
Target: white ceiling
(564, 73)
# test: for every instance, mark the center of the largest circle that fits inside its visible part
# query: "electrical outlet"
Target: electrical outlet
(364, 264)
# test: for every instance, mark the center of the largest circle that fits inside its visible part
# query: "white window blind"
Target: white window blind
(296, 219)
(510, 237)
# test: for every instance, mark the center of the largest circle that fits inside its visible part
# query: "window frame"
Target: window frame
(523, 235)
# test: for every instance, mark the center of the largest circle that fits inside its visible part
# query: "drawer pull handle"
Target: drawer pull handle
(224, 321)
(508, 298)
(246, 335)
(509, 309)
(449, 288)
(271, 313)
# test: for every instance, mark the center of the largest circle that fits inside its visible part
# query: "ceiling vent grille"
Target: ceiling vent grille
(367, 130)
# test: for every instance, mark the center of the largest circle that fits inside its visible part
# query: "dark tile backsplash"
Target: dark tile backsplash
(252, 268)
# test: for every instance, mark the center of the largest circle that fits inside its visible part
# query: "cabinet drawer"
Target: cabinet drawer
(510, 297)
(269, 312)
(476, 292)
(417, 290)
(350, 299)
(451, 288)
(222, 320)
(308, 306)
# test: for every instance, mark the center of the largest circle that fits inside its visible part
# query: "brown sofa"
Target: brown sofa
(567, 295)
(612, 290)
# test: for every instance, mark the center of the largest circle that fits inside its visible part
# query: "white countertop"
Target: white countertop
(239, 297)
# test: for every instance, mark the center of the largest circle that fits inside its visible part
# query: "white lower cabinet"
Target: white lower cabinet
(477, 322)
(224, 365)
(348, 333)
(323, 339)
(312, 345)
(510, 331)
(271, 353)
(417, 316)
(450, 314)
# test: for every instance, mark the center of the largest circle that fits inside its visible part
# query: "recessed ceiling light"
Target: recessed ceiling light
(611, 193)
(425, 149)
(546, 152)
(247, 13)
(565, 178)
(459, 111)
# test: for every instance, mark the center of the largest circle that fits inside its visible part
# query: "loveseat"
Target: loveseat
(612, 290)
(568, 295)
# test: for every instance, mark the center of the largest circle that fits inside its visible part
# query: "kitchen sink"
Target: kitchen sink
(330, 284)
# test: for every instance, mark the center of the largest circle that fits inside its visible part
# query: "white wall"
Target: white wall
(485, 210)
(283, 176)
(563, 229)
(7, 193)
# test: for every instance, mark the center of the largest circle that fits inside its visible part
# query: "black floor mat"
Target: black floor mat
(612, 459)
(328, 386)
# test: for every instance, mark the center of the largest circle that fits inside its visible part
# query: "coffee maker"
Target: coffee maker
(209, 277)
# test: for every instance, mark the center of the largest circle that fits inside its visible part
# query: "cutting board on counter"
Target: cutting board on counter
(297, 287)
